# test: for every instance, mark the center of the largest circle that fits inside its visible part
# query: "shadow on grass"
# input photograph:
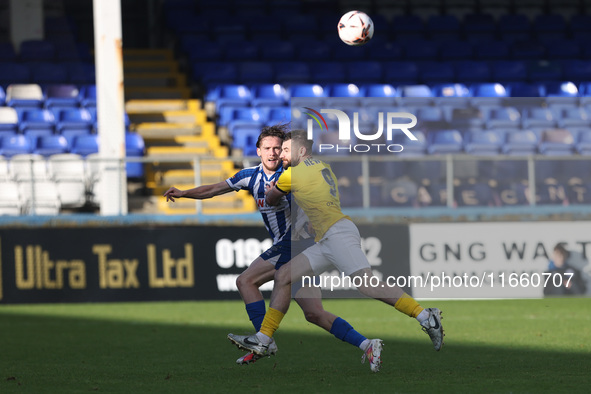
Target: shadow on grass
(40, 354)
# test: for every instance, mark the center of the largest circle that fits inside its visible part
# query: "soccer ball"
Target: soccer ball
(355, 28)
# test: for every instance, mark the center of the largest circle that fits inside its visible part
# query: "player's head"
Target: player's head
(269, 145)
(296, 147)
(560, 255)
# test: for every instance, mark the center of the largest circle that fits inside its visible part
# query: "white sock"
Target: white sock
(424, 315)
(264, 339)
(364, 344)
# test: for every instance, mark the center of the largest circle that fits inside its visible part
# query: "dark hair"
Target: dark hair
(301, 138)
(278, 130)
(562, 250)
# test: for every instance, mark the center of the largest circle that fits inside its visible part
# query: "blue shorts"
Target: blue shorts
(283, 251)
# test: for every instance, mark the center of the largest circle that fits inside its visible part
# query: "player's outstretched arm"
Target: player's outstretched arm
(199, 192)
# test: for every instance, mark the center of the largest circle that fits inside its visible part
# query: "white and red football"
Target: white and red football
(355, 28)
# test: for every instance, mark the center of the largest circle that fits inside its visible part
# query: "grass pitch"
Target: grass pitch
(517, 346)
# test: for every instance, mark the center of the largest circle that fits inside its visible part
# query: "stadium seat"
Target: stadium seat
(253, 72)
(503, 117)
(443, 27)
(440, 72)
(573, 117)
(445, 141)
(456, 50)
(411, 148)
(199, 50)
(7, 52)
(557, 142)
(451, 94)
(10, 201)
(8, 120)
(479, 27)
(14, 73)
(401, 72)
(522, 142)
(278, 115)
(306, 90)
(53, 144)
(241, 50)
(544, 70)
(24, 96)
(492, 50)
(36, 119)
(233, 95)
(88, 96)
(279, 51)
(242, 116)
(524, 89)
(415, 95)
(62, 95)
(290, 72)
(364, 71)
(73, 118)
(472, 71)
(85, 145)
(528, 50)
(514, 27)
(580, 27)
(561, 93)
(14, 144)
(40, 199)
(81, 73)
(537, 117)
(68, 172)
(28, 166)
(487, 93)
(327, 72)
(420, 50)
(134, 147)
(549, 27)
(407, 26)
(317, 51)
(49, 73)
(244, 137)
(268, 95)
(504, 71)
(485, 143)
(583, 143)
(564, 49)
(36, 50)
(385, 51)
(346, 53)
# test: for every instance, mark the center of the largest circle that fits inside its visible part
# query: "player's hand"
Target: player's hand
(269, 186)
(172, 193)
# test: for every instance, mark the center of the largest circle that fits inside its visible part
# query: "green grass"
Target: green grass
(508, 346)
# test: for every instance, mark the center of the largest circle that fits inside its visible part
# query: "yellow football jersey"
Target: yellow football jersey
(314, 186)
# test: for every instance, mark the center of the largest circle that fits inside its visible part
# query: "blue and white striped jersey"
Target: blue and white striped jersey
(277, 218)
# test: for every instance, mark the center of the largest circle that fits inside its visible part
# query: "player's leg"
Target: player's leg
(248, 283)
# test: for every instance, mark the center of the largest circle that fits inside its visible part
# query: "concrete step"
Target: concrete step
(142, 92)
(147, 55)
(161, 66)
(139, 106)
(164, 130)
(155, 80)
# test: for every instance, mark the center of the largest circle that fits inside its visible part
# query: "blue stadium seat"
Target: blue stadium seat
(197, 49)
(88, 95)
(37, 119)
(364, 71)
(263, 27)
(233, 95)
(15, 144)
(577, 70)
(456, 50)
(291, 72)
(385, 51)
(255, 72)
(451, 95)
(314, 51)
(81, 73)
(74, 118)
(528, 50)
(561, 93)
(504, 71)
(411, 148)
(278, 51)
(537, 117)
(580, 27)
(278, 115)
(557, 142)
(306, 90)
(522, 142)
(245, 137)
(544, 70)
(36, 50)
(415, 95)
(62, 95)
(524, 89)
(14, 73)
(134, 147)
(431, 72)
(445, 141)
(401, 72)
(416, 50)
(269, 95)
(443, 27)
(7, 52)
(241, 50)
(218, 73)
(583, 143)
(470, 71)
(485, 143)
(377, 90)
(503, 117)
(565, 49)
(327, 72)
(48, 145)
(573, 117)
(71, 133)
(408, 26)
(85, 145)
(69, 51)
(488, 93)
(549, 27)
(492, 50)
(342, 90)
(514, 27)
(2, 96)
(49, 73)
(479, 27)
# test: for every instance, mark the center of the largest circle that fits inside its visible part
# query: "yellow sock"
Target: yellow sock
(271, 322)
(408, 305)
